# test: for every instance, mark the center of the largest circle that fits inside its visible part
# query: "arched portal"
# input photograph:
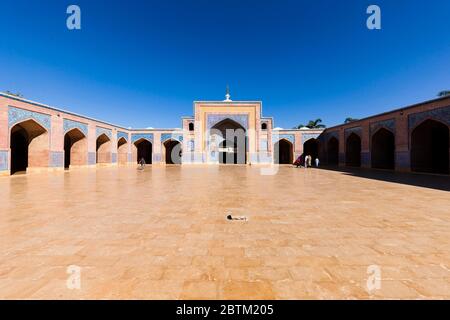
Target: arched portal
(353, 151)
(122, 150)
(430, 148)
(103, 149)
(29, 146)
(333, 151)
(284, 152)
(233, 148)
(75, 148)
(383, 150)
(143, 149)
(172, 151)
(311, 148)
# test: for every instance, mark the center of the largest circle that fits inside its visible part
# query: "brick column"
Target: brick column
(365, 146)
(402, 150)
(342, 147)
(4, 138)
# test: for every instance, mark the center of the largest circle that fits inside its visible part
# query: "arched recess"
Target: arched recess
(29, 143)
(333, 151)
(430, 147)
(383, 149)
(233, 148)
(122, 150)
(75, 148)
(143, 149)
(353, 151)
(104, 154)
(311, 147)
(284, 152)
(172, 151)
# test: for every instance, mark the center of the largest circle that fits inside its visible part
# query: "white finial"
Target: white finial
(227, 95)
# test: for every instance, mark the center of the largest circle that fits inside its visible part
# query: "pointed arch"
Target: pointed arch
(30, 146)
(353, 150)
(103, 144)
(430, 147)
(75, 148)
(283, 152)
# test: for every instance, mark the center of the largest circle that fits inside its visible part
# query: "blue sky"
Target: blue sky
(142, 63)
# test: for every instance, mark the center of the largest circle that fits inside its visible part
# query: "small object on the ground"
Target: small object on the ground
(230, 217)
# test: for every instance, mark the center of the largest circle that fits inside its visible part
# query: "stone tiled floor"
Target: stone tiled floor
(162, 234)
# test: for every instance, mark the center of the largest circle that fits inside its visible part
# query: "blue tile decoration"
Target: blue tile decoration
(56, 159)
(341, 157)
(403, 159)
(265, 157)
(332, 134)
(92, 158)
(365, 159)
(387, 124)
(355, 130)
(17, 115)
(138, 136)
(191, 146)
(100, 131)
(114, 157)
(309, 136)
(4, 156)
(157, 157)
(213, 119)
(278, 137)
(121, 134)
(70, 124)
(440, 114)
(174, 136)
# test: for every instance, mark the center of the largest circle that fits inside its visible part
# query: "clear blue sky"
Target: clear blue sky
(142, 63)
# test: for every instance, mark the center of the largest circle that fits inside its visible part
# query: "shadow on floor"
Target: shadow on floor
(439, 182)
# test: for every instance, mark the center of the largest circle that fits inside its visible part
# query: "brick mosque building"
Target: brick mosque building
(36, 137)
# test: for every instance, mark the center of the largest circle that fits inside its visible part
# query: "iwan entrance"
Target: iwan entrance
(233, 146)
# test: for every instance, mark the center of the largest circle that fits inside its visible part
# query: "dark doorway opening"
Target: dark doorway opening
(353, 151)
(311, 147)
(284, 153)
(173, 152)
(430, 148)
(383, 150)
(144, 150)
(19, 151)
(333, 151)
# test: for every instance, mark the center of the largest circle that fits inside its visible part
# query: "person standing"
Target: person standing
(317, 162)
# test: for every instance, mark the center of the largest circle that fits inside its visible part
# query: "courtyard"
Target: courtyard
(162, 233)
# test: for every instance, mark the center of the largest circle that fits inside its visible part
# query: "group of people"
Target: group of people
(306, 161)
